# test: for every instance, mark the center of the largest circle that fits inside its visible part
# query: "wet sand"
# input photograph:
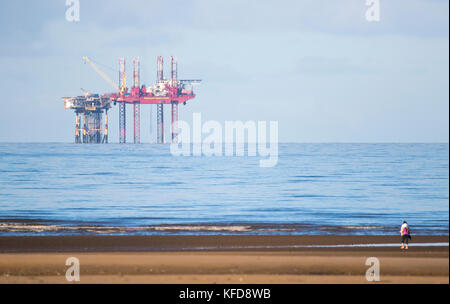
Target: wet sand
(175, 259)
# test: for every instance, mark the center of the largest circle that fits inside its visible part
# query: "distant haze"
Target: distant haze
(318, 67)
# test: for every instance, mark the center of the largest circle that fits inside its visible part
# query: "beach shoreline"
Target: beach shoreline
(131, 243)
(235, 259)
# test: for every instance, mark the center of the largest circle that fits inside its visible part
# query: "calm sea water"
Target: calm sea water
(48, 189)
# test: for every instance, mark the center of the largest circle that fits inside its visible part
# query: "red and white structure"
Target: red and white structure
(165, 91)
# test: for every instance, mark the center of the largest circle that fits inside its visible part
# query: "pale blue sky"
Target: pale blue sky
(316, 66)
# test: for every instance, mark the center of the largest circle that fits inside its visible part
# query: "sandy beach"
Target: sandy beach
(221, 259)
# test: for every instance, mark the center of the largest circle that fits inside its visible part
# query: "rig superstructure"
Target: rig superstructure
(89, 109)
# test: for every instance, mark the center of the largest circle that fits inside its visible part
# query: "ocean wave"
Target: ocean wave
(364, 227)
(203, 228)
(15, 226)
(20, 227)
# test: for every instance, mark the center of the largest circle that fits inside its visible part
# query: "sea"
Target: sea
(314, 189)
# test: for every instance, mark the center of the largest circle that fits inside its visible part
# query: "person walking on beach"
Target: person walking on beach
(405, 234)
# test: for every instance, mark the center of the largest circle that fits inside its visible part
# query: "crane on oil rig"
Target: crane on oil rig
(101, 73)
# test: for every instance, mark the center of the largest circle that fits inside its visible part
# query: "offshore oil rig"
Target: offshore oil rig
(90, 127)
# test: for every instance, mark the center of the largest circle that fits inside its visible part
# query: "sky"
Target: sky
(318, 67)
